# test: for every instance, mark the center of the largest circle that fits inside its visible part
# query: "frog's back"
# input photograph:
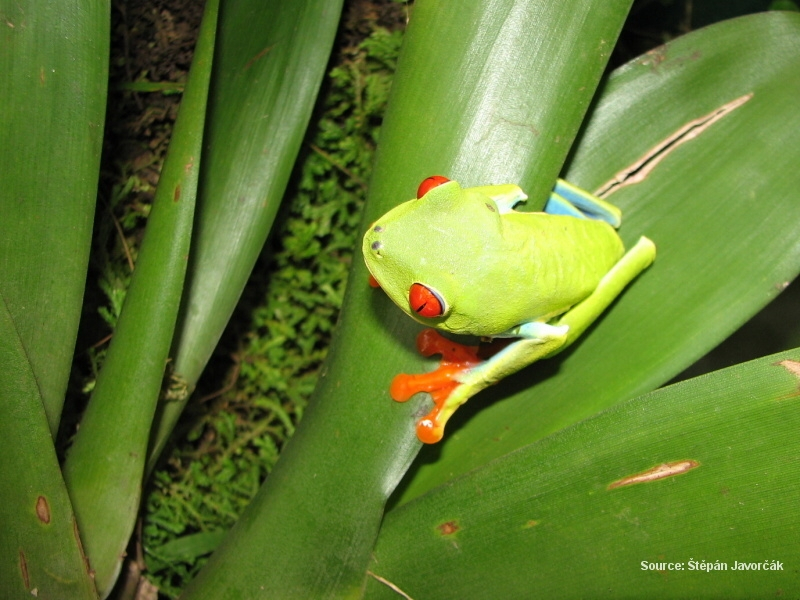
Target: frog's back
(548, 263)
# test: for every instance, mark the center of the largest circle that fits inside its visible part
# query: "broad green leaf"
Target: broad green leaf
(639, 501)
(269, 67)
(105, 465)
(722, 207)
(461, 105)
(479, 95)
(40, 553)
(54, 71)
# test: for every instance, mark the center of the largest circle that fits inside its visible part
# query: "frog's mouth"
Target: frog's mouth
(373, 281)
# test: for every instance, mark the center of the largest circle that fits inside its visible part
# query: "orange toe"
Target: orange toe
(456, 358)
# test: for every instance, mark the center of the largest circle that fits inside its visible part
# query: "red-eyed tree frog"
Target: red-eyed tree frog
(464, 261)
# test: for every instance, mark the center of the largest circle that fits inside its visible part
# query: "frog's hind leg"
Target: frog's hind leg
(566, 199)
(462, 374)
(583, 314)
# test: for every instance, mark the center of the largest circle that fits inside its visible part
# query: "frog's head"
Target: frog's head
(424, 251)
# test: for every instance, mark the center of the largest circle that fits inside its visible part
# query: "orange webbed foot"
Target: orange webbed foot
(440, 383)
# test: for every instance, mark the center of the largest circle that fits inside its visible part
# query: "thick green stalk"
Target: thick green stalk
(105, 464)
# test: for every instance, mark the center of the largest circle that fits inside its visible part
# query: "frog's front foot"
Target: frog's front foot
(442, 384)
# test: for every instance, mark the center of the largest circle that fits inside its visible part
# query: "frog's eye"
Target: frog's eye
(428, 184)
(425, 302)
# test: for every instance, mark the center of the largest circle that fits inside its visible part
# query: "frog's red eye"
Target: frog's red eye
(428, 184)
(425, 302)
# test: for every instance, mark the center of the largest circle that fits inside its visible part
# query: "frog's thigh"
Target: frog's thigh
(533, 341)
(523, 351)
(635, 260)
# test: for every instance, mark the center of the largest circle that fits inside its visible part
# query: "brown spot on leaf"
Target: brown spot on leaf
(792, 366)
(23, 569)
(77, 537)
(43, 510)
(653, 58)
(261, 54)
(660, 472)
(657, 57)
(530, 524)
(177, 194)
(448, 528)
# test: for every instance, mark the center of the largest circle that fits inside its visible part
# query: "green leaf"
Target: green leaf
(701, 473)
(51, 122)
(269, 67)
(105, 465)
(53, 67)
(40, 553)
(479, 94)
(461, 104)
(721, 207)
